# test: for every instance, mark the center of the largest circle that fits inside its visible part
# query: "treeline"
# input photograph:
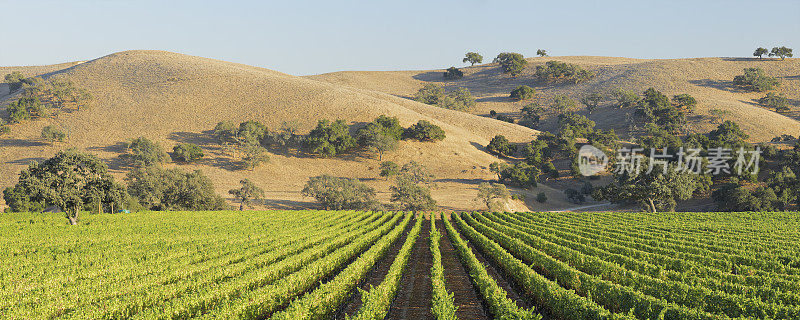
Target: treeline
(327, 139)
(41, 98)
(410, 190)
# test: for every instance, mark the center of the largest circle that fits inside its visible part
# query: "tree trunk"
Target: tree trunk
(652, 205)
(241, 206)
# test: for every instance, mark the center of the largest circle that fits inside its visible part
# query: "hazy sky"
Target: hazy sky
(308, 37)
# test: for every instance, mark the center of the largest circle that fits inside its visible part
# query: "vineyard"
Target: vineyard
(370, 265)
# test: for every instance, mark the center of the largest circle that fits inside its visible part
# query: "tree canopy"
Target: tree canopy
(473, 58)
(511, 63)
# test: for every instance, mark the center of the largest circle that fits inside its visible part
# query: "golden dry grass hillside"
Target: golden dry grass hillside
(173, 98)
(709, 80)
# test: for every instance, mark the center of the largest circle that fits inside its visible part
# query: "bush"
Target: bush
(53, 134)
(520, 174)
(473, 58)
(412, 196)
(429, 94)
(251, 133)
(340, 193)
(389, 168)
(424, 131)
(541, 197)
(329, 139)
(505, 118)
(225, 132)
(254, 155)
(173, 189)
(562, 72)
(777, 101)
(453, 73)
(500, 145)
(531, 115)
(15, 80)
(186, 152)
(574, 196)
(511, 63)
(25, 109)
(144, 152)
(575, 125)
(754, 79)
(460, 99)
(626, 98)
(4, 129)
(523, 93)
(562, 103)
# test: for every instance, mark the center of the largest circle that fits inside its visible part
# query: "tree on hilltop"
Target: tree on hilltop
(473, 58)
(541, 53)
(781, 52)
(760, 52)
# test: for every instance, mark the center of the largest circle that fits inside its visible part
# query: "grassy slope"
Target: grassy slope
(707, 79)
(173, 98)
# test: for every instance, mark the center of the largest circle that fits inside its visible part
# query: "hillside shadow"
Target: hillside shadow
(797, 77)
(13, 142)
(203, 139)
(289, 204)
(25, 161)
(717, 84)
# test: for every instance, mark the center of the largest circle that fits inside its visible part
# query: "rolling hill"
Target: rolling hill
(709, 80)
(173, 98)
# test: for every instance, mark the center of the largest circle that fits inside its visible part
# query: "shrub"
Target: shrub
(225, 132)
(626, 98)
(531, 115)
(473, 58)
(523, 93)
(424, 131)
(562, 103)
(4, 129)
(460, 99)
(251, 133)
(575, 125)
(505, 118)
(500, 145)
(592, 101)
(53, 134)
(541, 197)
(254, 155)
(777, 101)
(574, 196)
(429, 94)
(144, 152)
(781, 52)
(15, 80)
(25, 109)
(754, 79)
(511, 63)
(186, 152)
(562, 72)
(340, 193)
(389, 168)
(329, 139)
(684, 101)
(453, 73)
(173, 189)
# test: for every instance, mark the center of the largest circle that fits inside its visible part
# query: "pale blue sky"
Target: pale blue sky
(308, 37)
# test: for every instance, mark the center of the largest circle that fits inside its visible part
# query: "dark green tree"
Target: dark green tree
(248, 192)
(186, 152)
(412, 196)
(453, 73)
(562, 72)
(655, 191)
(781, 52)
(340, 193)
(779, 102)
(592, 101)
(70, 180)
(760, 52)
(754, 79)
(161, 189)
(143, 152)
(523, 93)
(389, 169)
(562, 103)
(541, 53)
(473, 58)
(500, 146)
(424, 131)
(329, 139)
(430, 94)
(511, 63)
(52, 134)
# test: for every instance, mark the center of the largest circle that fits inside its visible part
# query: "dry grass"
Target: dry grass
(707, 79)
(173, 98)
